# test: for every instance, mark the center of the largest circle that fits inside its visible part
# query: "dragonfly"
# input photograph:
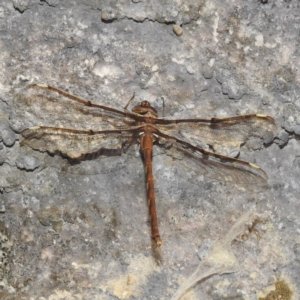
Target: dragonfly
(83, 130)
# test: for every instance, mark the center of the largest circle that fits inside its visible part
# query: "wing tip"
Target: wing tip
(32, 128)
(263, 116)
(253, 165)
(27, 130)
(42, 85)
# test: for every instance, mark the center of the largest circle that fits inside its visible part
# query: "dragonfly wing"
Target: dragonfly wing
(78, 144)
(50, 108)
(229, 132)
(212, 165)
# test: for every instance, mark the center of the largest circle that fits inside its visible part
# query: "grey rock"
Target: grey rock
(282, 138)
(3, 154)
(296, 249)
(268, 138)
(207, 72)
(222, 75)
(7, 135)
(29, 163)
(21, 5)
(296, 129)
(234, 90)
(52, 2)
(103, 221)
(108, 15)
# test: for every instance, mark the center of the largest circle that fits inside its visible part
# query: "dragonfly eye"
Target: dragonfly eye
(145, 103)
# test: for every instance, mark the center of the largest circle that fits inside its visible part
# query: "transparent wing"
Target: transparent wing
(213, 165)
(49, 106)
(229, 132)
(78, 144)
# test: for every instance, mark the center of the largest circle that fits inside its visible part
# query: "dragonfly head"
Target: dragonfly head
(145, 108)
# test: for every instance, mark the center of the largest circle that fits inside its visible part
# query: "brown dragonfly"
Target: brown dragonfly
(85, 130)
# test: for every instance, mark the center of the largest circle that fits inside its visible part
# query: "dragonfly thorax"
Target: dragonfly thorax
(145, 108)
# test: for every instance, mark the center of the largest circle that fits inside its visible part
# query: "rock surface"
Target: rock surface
(65, 235)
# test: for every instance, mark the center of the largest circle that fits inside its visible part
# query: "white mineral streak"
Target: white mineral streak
(220, 258)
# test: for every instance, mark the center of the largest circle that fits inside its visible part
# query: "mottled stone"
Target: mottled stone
(107, 16)
(51, 216)
(282, 138)
(28, 163)
(177, 30)
(97, 241)
(7, 135)
(21, 5)
(296, 249)
(234, 90)
(3, 154)
(208, 72)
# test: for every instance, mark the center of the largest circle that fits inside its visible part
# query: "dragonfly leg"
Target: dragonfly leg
(125, 108)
